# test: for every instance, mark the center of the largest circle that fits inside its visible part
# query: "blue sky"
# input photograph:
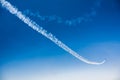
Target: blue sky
(27, 55)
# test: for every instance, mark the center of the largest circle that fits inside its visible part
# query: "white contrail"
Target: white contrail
(39, 29)
(69, 22)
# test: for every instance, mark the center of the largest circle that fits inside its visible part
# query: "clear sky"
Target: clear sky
(89, 27)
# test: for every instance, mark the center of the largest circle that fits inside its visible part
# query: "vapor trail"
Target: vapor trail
(13, 10)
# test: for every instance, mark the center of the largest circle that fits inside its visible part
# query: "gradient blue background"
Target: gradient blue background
(23, 51)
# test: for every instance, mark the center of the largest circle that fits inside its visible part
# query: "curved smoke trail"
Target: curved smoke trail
(39, 29)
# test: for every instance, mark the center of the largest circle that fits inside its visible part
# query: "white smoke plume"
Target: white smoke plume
(13, 10)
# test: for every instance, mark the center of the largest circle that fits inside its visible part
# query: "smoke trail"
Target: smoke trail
(58, 19)
(69, 22)
(39, 29)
